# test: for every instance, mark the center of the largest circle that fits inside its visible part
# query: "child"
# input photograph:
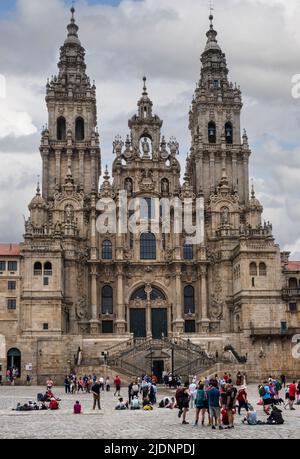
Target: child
(77, 408)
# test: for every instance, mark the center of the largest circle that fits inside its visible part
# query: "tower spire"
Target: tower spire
(72, 30)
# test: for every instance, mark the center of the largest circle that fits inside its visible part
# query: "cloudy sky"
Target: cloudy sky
(162, 39)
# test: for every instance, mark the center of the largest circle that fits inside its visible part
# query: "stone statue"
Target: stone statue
(128, 186)
(146, 148)
(69, 212)
(165, 186)
(224, 216)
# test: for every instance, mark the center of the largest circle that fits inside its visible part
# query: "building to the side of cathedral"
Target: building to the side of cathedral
(146, 300)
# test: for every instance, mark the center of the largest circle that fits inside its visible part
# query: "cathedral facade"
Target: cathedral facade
(81, 294)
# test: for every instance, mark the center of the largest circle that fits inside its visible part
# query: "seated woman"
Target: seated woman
(77, 408)
(53, 404)
(122, 405)
(135, 404)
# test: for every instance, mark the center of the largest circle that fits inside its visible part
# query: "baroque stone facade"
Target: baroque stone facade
(80, 293)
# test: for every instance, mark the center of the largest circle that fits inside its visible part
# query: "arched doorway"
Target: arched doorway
(148, 313)
(14, 360)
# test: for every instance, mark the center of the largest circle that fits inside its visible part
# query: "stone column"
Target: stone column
(94, 322)
(179, 322)
(58, 168)
(120, 322)
(199, 172)
(246, 176)
(212, 171)
(93, 170)
(45, 174)
(204, 323)
(148, 291)
(234, 170)
(81, 168)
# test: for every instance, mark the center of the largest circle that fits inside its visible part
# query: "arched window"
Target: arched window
(139, 294)
(79, 129)
(48, 269)
(262, 269)
(38, 269)
(189, 300)
(212, 132)
(107, 250)
(188, 251)
(229, 133)
(148, 246)
(157, 294)
(253, 269)
(107, 300)
(61, 128)
(14, 361)
(293, 283)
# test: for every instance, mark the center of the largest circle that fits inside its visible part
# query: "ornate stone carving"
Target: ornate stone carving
(82, 312)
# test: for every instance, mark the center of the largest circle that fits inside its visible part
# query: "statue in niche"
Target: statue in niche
(165, 186)
(129, 185)
(224, 216)
(146, 148)
(69, 213)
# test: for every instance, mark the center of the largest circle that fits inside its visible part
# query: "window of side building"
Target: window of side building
(11, 285)
(11, 304)
(12, 266)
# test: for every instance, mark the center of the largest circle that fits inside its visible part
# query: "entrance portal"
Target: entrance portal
(14, 360)
(159, 323)
(138, 323)
(158, 369)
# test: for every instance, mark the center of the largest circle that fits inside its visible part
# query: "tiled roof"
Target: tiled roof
(293, 266)
(9, 250)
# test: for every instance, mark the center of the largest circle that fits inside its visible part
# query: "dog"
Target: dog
(277, 402)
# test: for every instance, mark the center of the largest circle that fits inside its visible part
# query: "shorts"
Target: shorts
(292, 399)
(267, 402)
(214, 412)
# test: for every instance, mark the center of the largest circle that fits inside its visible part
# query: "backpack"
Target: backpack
(276, 418)
(262, 391)
(201, 398)
(135, 389)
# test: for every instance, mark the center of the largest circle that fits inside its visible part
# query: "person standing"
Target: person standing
(201, 404)
(242, 399)
(107, 383)
(193, 392)
(213, 395)
(283, 380)
(184, 402)
(117, 383)
(67, 385)
(231, 402)
(292, 395)
(96, 389)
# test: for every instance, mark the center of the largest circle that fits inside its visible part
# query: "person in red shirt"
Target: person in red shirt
(77, 408)
(53, 404)
(292, 395)
(118, 383)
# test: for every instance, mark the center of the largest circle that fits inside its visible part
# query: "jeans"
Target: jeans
(97, 402)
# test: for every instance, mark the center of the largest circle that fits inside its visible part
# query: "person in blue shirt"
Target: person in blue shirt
(213, 395)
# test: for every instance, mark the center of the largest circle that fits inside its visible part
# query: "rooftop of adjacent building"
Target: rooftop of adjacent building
(10, 250)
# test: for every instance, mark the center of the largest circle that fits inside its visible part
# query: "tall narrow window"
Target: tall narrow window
(79, 129)
(189, 300)
(61, 128)
(262, 269)
(188, 252)
(48, 269)
(37, 269)
(229, 133)
(212, 132)
(12, 266)
(253, 269)
(107, 300)
(107, 250)
(148, 246)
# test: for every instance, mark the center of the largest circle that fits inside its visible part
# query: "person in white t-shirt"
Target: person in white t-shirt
(193, 392)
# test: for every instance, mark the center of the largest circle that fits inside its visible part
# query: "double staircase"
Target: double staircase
(135, 356)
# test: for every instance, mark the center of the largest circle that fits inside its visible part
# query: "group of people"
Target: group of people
(84, 384)
(220, 400)
(269, 393)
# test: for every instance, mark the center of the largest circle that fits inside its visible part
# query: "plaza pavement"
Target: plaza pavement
(111, 424)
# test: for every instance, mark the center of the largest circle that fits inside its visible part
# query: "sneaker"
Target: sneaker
(185, 423)
(213, 428)
(221, 428)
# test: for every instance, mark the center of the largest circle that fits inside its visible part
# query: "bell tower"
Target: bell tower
(218, 149)
(70, 142)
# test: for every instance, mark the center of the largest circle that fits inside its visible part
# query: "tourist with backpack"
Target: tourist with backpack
(265, 394)
(201, 403)
(242, 399)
